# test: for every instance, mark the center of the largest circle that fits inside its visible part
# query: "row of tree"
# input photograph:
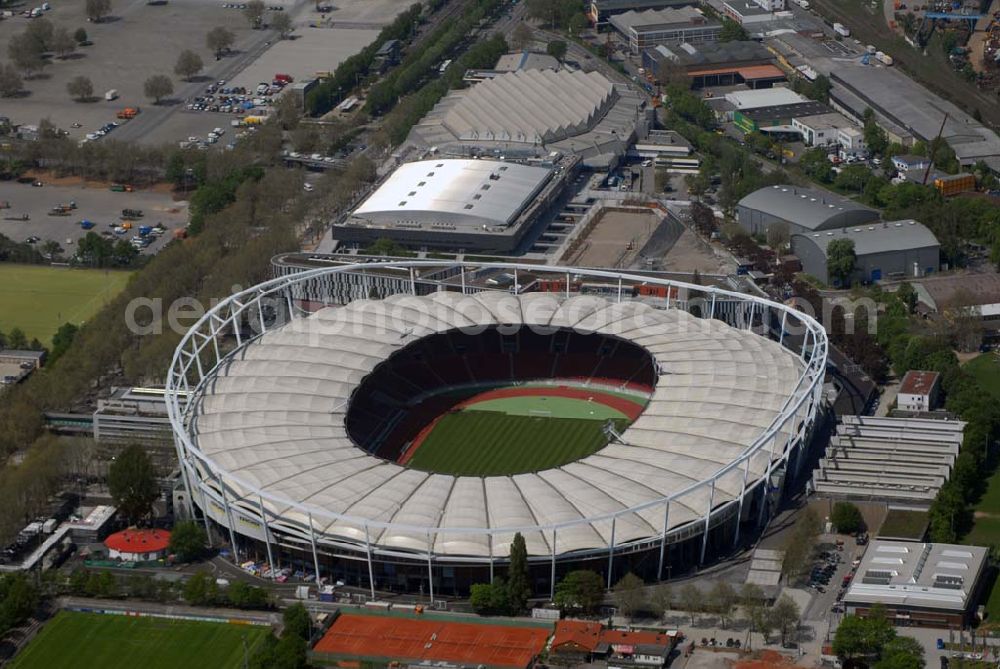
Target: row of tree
(872, 641)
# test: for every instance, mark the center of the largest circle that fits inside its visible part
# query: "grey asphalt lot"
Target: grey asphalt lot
(140, 40)
(97, 204)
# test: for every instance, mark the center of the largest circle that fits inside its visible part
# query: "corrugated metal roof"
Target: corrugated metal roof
(878, 237)
(808, 207)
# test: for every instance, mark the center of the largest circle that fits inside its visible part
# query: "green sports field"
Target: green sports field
(38, 299)
(513, 435)
(94, 641)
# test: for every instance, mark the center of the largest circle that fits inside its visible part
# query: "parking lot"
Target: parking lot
(139, 40)
(94, 203)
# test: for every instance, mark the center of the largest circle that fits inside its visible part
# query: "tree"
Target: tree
(63, 43)
(799, 545)
(80, 35)
(489, 598)
(907, 294)
(692, 601)
(158, 87)
(860, 638)
(17, 339)
(732, 31)
(840, 260)
(254, 13)
(41, 32)
(785, 616)
(778, 236)
(518, 583)
(846, 518)
(187, 541)
(63, 337)
(80, 88)
(903, 652)
(661, 599)
(628, 595)
(219, 40)
(723, 600)
(556, 48)
(26, 54)
(816, 164)
(582, 589)
(297, 622)
(132, 483)
(188, 64)
(281, 22)
(752, 601)
(96, 10)
(10, 81)
(521, 37)
(201, 589)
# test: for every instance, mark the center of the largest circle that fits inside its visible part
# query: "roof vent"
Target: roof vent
(899, 225)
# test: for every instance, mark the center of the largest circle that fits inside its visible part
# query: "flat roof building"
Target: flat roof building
(883, 250)
(651, 27)
(891, 459)
(526, 60)
(714, 63)
(822, 129)
(745, 12)
(919, 584)
(906, 104)
(768, 97)
(802, 209)
(473, 204)
(918, 391)
(777, 118)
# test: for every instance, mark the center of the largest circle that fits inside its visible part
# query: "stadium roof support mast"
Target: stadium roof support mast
(312, 540)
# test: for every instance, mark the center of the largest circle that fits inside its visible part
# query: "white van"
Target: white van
(111, 95)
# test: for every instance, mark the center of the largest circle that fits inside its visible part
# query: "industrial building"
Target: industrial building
(578, 642)
(746, 13)
(16, 365)
(919, 584)
(919, 391)
(651, 27)
(821, 129)
(530, 113)
(910, 112)
(778, 118)
(883, 250)
(714, 64)
(894, 459)
(767, 97)
(804, 210)
(526, 60)
(600, 11)
(485, 205)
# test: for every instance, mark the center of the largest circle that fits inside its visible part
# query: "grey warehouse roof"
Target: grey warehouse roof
(454, 192)
(877, 237)
(807, 207)
(913, 574)
(653, 19)
(274, 417)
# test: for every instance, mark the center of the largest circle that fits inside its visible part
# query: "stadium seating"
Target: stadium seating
(406, 393)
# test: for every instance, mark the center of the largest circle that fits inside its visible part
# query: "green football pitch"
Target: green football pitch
(513, 435)
(96, 641)
(38, 299)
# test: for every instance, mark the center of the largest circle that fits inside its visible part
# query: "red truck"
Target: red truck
(283, 78)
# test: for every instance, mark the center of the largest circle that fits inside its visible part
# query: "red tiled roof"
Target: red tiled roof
(621, 637)
(578, 632)
(918, 383)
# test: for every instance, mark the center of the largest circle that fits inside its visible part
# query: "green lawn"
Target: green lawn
(986, 369)
(903, 524)
(553, 407)
(38, 299)
(90, 640)
(488, 443)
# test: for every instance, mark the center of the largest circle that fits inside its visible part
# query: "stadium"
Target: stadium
(399, 443)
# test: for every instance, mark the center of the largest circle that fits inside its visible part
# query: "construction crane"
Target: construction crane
(930, 149)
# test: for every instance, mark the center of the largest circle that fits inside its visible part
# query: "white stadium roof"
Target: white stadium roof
(273, 419)
(454, 192)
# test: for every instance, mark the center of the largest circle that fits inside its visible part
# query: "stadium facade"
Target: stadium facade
(286, 442)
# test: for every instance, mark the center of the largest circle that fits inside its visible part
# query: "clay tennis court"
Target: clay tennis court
(409, 639)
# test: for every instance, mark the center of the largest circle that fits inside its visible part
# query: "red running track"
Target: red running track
(628, 407)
